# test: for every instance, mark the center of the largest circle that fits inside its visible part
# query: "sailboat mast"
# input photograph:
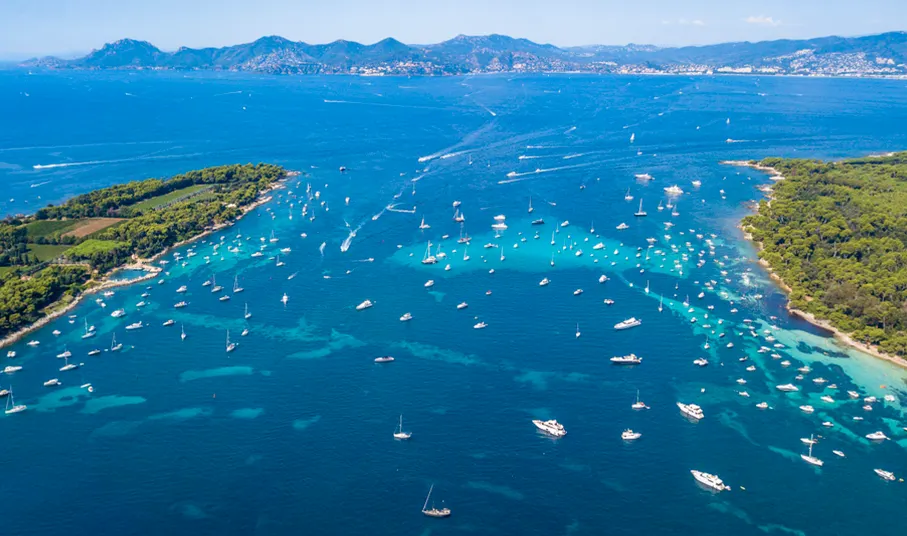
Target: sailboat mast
(427, 497)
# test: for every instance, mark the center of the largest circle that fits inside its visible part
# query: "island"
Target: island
(834, 235)
(48, 260)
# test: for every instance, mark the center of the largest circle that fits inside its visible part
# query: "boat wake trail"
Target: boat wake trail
(345, 245)
(465, 141)
(513, 176)
(393, 208)
(35, 185)
(117, 161)
(321, 248)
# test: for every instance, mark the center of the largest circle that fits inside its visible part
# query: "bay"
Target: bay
(292, 430)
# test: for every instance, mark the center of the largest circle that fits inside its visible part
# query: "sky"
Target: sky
(73, 27)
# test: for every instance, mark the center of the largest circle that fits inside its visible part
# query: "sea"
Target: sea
(292, 432)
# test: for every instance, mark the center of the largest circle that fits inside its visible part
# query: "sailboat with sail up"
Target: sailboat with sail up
(640, 213)
(400, 434)
(12, 407)
(230, 345)
(434, 512)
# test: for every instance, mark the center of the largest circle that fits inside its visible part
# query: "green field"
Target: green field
(161, 200)
(46, 252)
(92, 246)
(49, 228)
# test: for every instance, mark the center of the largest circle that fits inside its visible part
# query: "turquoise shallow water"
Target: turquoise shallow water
(292, 431)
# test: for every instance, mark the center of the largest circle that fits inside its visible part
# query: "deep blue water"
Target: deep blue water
(291, 433)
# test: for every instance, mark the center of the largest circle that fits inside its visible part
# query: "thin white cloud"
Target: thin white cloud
(684, 22)
(762, 20)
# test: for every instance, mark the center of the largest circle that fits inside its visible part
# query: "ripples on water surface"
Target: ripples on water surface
(293, 429)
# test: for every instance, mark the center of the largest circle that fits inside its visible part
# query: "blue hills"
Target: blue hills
(874, 54)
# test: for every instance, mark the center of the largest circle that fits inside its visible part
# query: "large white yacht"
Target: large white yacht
(787, 388)
(887, 475)
(877, 436)
(551, 427)
(364, 305)
(118, 313)
(631, 322)
(673, 190)
(710, 481)
(630, 359)
(691, 410)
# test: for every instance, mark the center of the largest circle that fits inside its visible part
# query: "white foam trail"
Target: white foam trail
(489, 111)
(416, 179)
(321, 248)
(349, 239)
(577, 155)
(466, 140)
(378, 215)
(458, 153)
(117, 161)
(528, 157)
(569, 130)
(228, 93)
(513, 175)
(39, 184)
(34, 147)
(361, 103)
(393, 208)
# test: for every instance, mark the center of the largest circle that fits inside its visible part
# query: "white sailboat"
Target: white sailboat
(638, 404)
(809, 458)
(465, 248)
(647, 287)
(182, 332)
(640, 213)
(577, 331)
(247, 315)
(661, 304)
(434, 512)
(400, 434)
(230, 345)
(11, 406)
(530, 205)
(236, 287)
(114, 346)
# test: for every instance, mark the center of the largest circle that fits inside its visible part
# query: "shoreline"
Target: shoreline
(93, 286)
(840, 336)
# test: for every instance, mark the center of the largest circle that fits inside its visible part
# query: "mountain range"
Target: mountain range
(881, 54)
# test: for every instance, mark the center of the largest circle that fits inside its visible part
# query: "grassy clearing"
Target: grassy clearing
(92, 246)
(46, 252)
(90, 226)
(162, 200)
(49, 228)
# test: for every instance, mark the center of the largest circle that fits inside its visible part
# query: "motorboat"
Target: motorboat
(631, 322)
(551, 427)
(710, 481)
(364, 305)
(384, 359)
(630, 435)
(691, 410)
(630, 359)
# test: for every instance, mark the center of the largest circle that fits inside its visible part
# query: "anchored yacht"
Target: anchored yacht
(631, 322)
(710, 481)
(552, 427)
(691, 410)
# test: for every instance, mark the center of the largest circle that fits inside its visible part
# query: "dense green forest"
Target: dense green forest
(22, 300)
(835, 232)
(156, 215)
